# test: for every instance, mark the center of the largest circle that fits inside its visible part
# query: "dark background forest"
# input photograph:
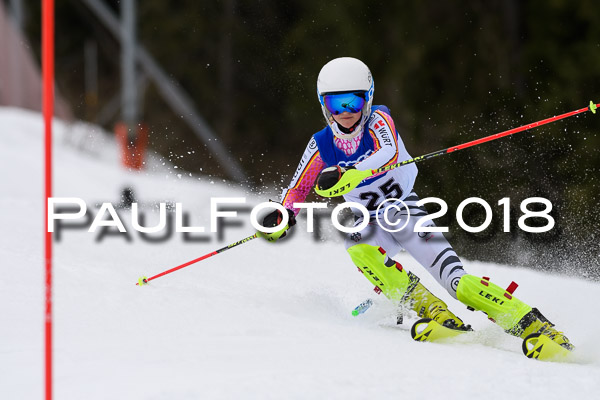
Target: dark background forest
(449, 71)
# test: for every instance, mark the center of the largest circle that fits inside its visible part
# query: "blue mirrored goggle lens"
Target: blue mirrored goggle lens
(339, 103)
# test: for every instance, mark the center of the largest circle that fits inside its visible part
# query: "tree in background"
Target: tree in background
(450, 72)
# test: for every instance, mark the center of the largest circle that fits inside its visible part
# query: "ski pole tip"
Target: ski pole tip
(142, 281)
(593, 107)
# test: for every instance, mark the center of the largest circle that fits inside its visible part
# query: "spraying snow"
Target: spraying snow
(259, 321)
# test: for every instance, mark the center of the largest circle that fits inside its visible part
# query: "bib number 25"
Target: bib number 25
(389, 190)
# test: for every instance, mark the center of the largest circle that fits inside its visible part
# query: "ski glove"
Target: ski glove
(274, 219)
(330, 176)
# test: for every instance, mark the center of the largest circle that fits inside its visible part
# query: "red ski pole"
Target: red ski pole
(144, 280)
(353, 177)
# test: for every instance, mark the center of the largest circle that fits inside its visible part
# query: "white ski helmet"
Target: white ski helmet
(345, 75)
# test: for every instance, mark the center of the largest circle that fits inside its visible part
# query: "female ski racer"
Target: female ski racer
(363, 136)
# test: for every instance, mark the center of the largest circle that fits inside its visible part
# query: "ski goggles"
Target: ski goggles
(351, 102)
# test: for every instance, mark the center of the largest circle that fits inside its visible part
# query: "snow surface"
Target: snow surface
(261, 321)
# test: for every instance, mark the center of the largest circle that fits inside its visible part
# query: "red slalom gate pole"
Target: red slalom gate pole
(144, 281)
(48, 111)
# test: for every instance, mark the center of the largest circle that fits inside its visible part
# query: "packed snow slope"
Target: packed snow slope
(261, 321)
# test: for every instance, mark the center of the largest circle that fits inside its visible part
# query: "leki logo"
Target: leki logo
(491, 297)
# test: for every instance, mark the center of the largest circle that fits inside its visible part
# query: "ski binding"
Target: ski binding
(428, 330)
(542, 347)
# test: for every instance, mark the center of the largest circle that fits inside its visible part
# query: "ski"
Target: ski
(428, 330)
(543, 348)
(362, 307)
(535, 346)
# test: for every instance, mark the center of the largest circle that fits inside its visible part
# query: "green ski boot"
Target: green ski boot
(401, 286)
(514, 316)
(427, 305)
